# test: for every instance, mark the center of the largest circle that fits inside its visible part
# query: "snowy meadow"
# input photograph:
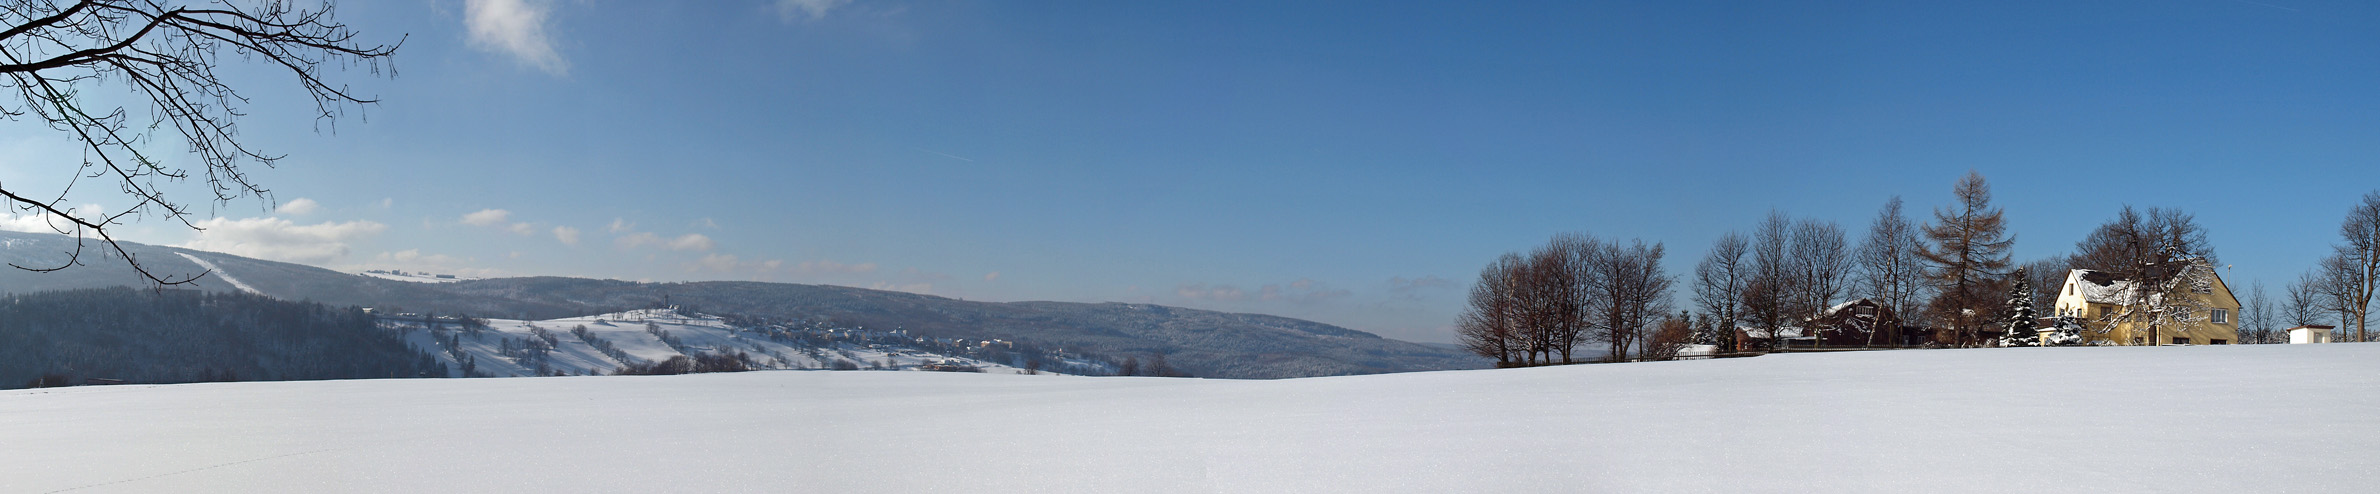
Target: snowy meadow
(2268, 418)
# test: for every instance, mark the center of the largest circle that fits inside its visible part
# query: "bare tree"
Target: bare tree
(1673, 335)
(167, 54)
(1535, 309)
(1635, 292)
(1488, 327)
(1889, 266)
(2256, 316)
(2046, 275)
(1820, 266)
(2134, 238)
(1566, 273)
(1968, 254)
(1719, 279)
(2361, 255)
(1766, 299)
(2303, 305)
(2342, 282)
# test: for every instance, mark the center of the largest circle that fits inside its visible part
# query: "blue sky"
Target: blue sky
(1354, 163)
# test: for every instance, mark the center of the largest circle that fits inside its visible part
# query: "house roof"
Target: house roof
(2100, 287)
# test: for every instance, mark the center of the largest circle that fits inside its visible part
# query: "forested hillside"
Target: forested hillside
(174, 336)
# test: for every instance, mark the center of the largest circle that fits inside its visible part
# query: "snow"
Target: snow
(2213, 419)
(219, 272)
(633, 333)
(416, 277)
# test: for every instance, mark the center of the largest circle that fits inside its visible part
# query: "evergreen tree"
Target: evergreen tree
(2021, 317)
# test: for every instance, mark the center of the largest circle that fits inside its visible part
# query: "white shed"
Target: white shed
(2311, 333)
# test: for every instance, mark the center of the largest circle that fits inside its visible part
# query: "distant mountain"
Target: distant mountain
(1204, 343)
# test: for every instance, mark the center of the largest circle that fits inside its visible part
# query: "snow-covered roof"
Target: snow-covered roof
(1838, 308)
(2100, 287)
(1788, 331)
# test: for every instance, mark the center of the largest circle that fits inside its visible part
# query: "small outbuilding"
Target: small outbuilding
(2311, 333)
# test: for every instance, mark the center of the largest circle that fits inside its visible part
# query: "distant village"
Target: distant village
(2146, 277)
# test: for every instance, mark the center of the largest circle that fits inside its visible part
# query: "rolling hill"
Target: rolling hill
(1201, 342)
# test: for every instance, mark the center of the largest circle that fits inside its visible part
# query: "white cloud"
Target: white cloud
(516, 28)
(524, 229)
(794, 10)
(299, 206)
(385, 202)
(34, 223)
(281, 240)
(692, 241)
(414, 256)
(568, 235)
(706, 223)
(992, 276)
(486, 217)
(638, 239)
(620, 226)
(44, 222)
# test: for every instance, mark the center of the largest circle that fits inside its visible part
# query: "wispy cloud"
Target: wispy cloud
(1217, 293)
(281, 240)
(486, 217)
(516, 28)
(692, 242)
(947, 155)
(523, 229)
(689, 242)
(1302, 291)
(298, 206)
(797, 10)
(1413, 288)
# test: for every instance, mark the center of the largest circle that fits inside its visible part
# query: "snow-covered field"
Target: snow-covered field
(2270, 418)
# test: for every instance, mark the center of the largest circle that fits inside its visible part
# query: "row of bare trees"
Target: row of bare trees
(1537, 308)
(1789, 270)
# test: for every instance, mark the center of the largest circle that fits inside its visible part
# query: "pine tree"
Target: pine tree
(2021, 318)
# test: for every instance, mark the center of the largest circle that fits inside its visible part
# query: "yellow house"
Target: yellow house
(2194, 308)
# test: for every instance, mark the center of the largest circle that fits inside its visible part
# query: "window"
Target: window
(2219, 316)
(2181, 340)
(2218, 342)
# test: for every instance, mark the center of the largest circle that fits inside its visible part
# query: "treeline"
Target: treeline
(1537, 308)
(177, 336)
(1948, 282)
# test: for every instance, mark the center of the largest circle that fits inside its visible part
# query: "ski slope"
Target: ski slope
(2162, 419)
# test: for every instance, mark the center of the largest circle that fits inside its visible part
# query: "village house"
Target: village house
(2193, 307)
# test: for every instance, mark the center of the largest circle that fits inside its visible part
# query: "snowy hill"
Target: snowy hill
(2133, 419)
(603, 344)
(414, 276)
(1203, 343)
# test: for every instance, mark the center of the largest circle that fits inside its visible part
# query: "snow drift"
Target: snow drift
(2166, 419)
